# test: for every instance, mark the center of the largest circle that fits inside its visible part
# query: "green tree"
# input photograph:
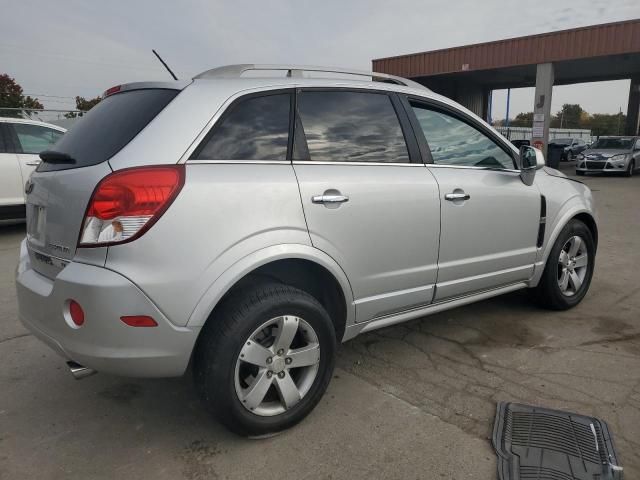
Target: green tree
(570, 116)
(83, 105)
(524, 119)
(606, 124)
(12, 96)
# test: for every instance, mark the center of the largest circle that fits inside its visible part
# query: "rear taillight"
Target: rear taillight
(126, 203)
(76, 313)
(139, 321)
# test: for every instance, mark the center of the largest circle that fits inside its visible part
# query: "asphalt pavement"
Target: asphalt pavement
(412, 401)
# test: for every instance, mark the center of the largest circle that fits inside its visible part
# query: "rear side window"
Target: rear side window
(35, 138)
(109, 126)
(255, 128)
(342, 126)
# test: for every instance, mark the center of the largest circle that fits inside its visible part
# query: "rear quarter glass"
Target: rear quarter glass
(109, 126)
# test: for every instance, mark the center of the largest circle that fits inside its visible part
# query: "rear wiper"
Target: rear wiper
(51, 156)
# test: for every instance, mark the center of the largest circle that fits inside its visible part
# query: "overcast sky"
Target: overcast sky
(65, 48)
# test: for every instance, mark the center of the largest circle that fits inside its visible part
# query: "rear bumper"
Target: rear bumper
(104, 343)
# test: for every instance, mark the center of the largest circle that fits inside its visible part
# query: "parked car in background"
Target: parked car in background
(611, 155)
(246, 224)
(519, 143)
(572, 147)
(20, 143)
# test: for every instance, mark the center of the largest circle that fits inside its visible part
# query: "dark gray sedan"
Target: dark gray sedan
(571, 147)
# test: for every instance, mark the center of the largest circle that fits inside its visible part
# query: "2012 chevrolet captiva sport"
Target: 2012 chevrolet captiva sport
(246, 223)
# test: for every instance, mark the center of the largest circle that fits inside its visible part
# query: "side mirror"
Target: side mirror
(531, 159)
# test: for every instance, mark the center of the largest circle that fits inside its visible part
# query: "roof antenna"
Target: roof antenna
(165, 65)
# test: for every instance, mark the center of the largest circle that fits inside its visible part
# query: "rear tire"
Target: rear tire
(569, 269)
(245, 364)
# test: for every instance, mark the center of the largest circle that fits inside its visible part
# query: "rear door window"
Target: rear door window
(34, 139)
(346, 126)
(109, 126)
(254, 128)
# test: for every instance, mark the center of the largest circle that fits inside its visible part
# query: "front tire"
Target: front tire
(630, 170)
(580, 173)
(569, 269)
(265, 359)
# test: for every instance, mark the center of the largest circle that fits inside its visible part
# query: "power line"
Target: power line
(39, 109)
(77, 59)
(149, 68)
(40, 95)
(48, 96)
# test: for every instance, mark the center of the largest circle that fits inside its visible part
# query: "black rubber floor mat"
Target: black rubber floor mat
(540, 444)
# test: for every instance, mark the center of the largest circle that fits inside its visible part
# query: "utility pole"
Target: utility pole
(619, 118)
(506, 121)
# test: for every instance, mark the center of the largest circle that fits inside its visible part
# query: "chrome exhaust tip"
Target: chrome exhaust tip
(78, 371)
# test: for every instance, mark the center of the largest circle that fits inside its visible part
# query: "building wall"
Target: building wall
(525, 133)
(586, 42)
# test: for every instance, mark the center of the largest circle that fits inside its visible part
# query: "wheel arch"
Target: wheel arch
(590, 222)
(575, 213)
(297, 265)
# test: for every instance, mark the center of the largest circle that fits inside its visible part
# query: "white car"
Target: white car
(20, 143)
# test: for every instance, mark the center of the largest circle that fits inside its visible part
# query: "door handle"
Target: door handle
(452, 197)
(34, 163)
(333, 199)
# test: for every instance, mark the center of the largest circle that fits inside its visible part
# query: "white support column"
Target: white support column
(633, 110)
(542, 106)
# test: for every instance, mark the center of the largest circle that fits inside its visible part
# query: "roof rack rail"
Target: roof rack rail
(235, 71)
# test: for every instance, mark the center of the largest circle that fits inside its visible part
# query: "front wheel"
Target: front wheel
(567, 274)
(265, 358)
(631, 168)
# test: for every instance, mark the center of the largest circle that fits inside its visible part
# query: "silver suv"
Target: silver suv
(245, 225)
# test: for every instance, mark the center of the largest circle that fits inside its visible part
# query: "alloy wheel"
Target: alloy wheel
(277, 365)
(572, 265)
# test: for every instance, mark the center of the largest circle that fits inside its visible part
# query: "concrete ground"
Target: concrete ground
(411, 401)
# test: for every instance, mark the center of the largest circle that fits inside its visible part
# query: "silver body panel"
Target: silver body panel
(398, 249)
(162, 262)
(55, 208)
(104, 343)
(488, 240)
(388, 271)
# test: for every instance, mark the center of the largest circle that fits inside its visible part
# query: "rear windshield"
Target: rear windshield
(108, 127)
(613, 143)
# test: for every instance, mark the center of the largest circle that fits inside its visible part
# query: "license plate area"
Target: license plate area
(36, 222)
